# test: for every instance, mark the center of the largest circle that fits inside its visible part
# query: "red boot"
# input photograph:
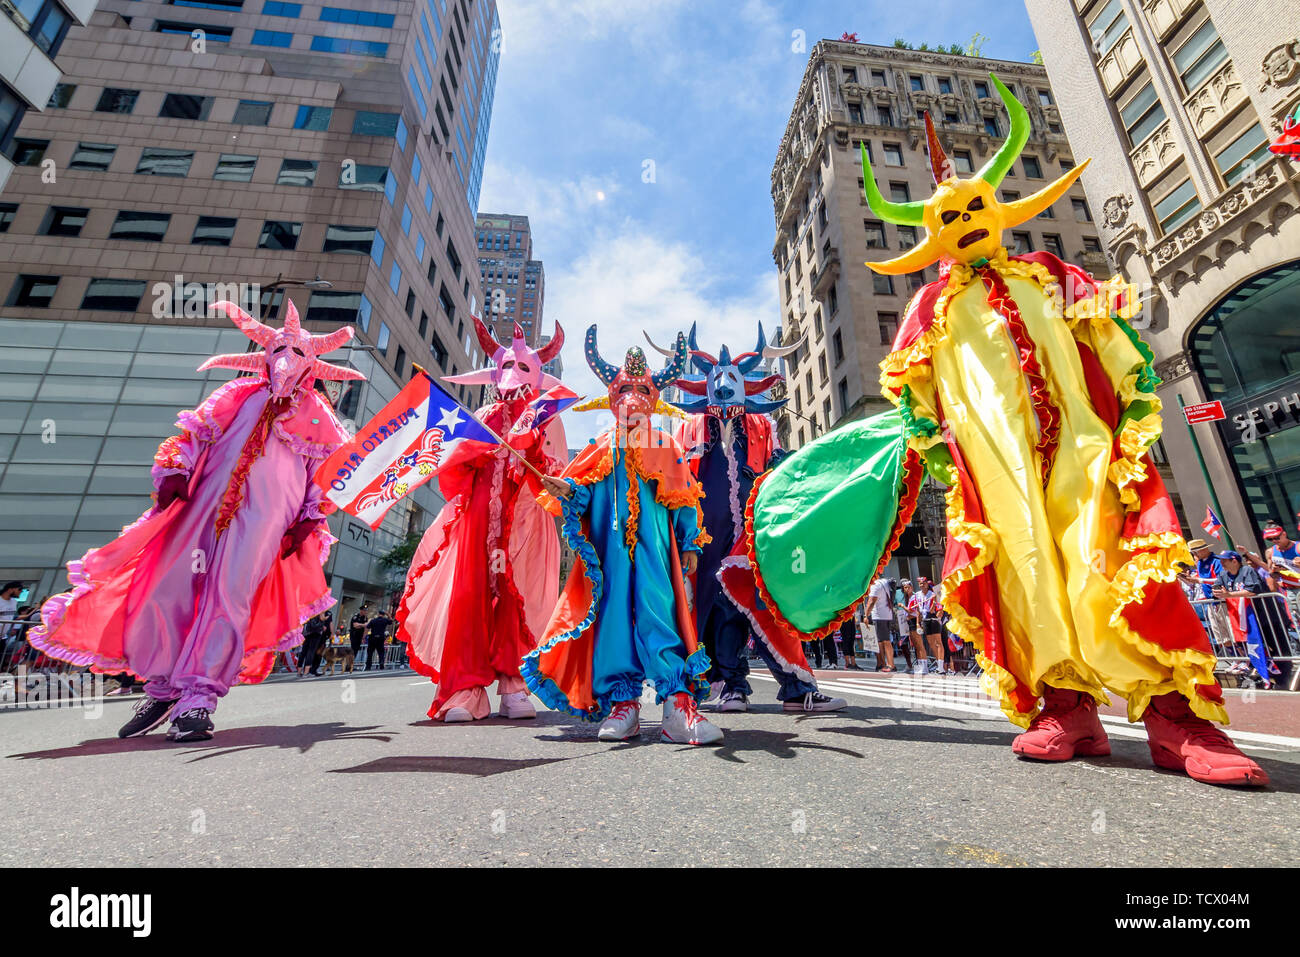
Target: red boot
(1180, 741)
(1067, 727)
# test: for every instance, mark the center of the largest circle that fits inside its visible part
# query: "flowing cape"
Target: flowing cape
(558, 671)
(88, 625)
(819, 527)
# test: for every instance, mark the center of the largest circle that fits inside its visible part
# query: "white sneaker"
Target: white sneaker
(516, 706)
(715, 689)
(623, 722)
(733, 701)
(454, 715)
(815, 701)
(920, 668)
(682, 723)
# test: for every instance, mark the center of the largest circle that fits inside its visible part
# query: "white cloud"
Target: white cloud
(536, 27)
(556, 209)
(632, 281)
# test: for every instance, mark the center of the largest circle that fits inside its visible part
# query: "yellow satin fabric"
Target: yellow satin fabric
(1055, 550)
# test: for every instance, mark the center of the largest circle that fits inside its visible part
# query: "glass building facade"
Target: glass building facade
(1247, 353)
(83, 407)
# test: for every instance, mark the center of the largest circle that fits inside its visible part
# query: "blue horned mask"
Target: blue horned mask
(728, 386)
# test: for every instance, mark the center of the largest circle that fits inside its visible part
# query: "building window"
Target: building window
(822, 372)
(46, 23)
(991, 126)
(1081, 211)
(877, 77)
(888, 323)
(906, 237)
(275, 8)
(279, 234)
(61, 96)
(395, 278)
(7, 213)
(1044, 97)
(855, 113)
(1178, 206)
(885, 116)
(114, 295)
(28, 152)
(92, 157)
(313, 118)
(369, 123)
(410, 302)
(962, 161)
(114, 100)
(1066, 165)
(331, 305)
(1022, 243)
(1201, 55)
(945, 84)
(296, 172)
(1107, 27)
(64, 221)
(453, 258)
(843, 389)
(213, 231)
(1033, 169)
(439, 352)
(833, 301)
(899, 193)
(893, 154)
(377, 249)
(33, 292)
(12, 111)
(358, 18)
(234, 168)
(364, 176)
(1243, 154)
(252, 113)
(850, 74)
(139, 226)
(448, 304)
(399, 362)
(381, 340)
(918, 86)
(1053, 245)
(981, 90)
(882, 285)
(272, 38)
(1142, 114)
(837, 347)
(1091, 244)
(156, 161)
(184, 106)
(875, 234)
(351, 239)
(342, 45)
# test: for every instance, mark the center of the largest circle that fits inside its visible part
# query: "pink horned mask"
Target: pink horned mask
(289, 357)
(516, 371)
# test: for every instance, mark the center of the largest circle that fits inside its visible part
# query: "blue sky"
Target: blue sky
(591, 91)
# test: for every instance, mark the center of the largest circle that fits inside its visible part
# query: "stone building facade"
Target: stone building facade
(1176, 101)
(855, 93)
(514, 282)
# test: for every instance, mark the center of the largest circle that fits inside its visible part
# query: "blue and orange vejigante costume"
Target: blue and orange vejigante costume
(623, 618)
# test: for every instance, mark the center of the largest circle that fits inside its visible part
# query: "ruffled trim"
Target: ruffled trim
(1114, 297)
(1129, 468)
(537, 681)
(1156, 559)
(742, 561)
(996, 682)
(924, 433)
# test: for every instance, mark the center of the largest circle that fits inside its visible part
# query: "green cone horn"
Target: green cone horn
(900, 214)
(996, 169)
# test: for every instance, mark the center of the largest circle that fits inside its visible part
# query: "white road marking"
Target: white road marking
(924, 696)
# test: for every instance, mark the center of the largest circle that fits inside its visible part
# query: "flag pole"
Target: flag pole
(515, 452)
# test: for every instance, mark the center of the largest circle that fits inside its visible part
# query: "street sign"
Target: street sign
(1204, 412)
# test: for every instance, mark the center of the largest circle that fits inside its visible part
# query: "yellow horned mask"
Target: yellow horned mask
(963, 220)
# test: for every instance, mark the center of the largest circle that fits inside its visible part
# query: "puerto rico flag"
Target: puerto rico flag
(544, 408)
(1212, 525)
(416, 435)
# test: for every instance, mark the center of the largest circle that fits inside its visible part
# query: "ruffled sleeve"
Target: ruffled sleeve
(686, 528)
(176, 456)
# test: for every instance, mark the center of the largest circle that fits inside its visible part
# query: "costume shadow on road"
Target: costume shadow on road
(299, 737)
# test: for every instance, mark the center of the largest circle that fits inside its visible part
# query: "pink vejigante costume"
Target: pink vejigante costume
(202, 590)
(486, 574)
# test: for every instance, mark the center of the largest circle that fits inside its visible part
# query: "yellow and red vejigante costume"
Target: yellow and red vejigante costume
(1063, 543)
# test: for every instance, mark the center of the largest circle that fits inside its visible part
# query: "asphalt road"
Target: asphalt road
(341, 771)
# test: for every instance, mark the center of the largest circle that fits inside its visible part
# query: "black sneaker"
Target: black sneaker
(149, 713)
(192, 725)
(815, 701)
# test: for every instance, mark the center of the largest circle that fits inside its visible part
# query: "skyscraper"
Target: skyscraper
(1176, 101)
(514, 283)
(332, 154)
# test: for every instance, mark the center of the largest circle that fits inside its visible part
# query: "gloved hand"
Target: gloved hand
(171, 488)
(298, 533)
(938, 462)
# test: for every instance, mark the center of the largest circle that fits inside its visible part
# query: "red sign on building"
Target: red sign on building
(1204, 412)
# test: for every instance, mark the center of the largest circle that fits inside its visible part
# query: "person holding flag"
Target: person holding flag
(1238, 584)
(486, 573)
(631, 511)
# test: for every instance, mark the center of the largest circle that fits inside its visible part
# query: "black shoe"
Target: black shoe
(192, 725)
(149, 713)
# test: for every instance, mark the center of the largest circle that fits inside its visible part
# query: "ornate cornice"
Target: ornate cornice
(1174, 367)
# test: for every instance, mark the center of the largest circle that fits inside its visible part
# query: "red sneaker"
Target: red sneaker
(1067, 727)
(1180, 741)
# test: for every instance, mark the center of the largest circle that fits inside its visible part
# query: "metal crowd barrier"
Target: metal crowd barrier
(1276, 614)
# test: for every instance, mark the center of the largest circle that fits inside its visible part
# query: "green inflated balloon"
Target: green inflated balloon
(823, 518)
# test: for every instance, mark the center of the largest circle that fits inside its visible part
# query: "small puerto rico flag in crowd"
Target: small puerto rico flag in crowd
(416, 435)
(544, 408)
(1212, 525)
